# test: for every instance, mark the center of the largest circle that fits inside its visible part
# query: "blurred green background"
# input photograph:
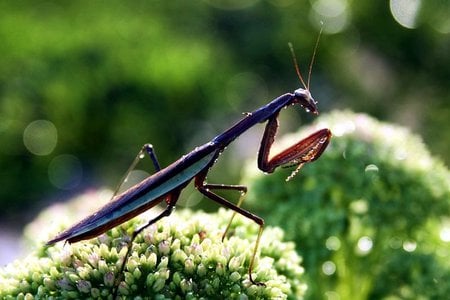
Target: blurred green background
(84, 84)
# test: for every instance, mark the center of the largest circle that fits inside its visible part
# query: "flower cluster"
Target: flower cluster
(179, 257)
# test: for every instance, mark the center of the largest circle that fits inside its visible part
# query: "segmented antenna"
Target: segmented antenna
(297, 69)
(294, 59)
(314, 55)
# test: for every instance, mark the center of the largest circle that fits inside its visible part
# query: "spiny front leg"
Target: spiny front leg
(305, 151)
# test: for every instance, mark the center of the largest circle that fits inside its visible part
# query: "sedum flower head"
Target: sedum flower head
(179, 257)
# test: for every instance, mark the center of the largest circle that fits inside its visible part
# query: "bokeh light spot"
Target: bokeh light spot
(409, 246)
(365, 245)
(405, 12)
(40, 137)
(371, 168)
(332, 15)
(333, 243)
(328, 268)
(445, 234)
(65, 172)
(191, 200)
(359, 206)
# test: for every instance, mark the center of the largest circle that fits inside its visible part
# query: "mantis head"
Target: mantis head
(303, 95)
(304, 98)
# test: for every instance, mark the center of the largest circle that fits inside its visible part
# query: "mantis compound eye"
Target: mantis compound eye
(304, 98)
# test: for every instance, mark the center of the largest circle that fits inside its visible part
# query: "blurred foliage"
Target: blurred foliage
(111, 76)
(180, 257)
(371, 217)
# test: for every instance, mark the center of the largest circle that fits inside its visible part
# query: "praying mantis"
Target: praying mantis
(166, 184)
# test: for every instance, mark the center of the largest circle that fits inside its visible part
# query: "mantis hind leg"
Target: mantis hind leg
(240, 188)
(205, 189)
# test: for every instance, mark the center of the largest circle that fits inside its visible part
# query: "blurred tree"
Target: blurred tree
(110, 76)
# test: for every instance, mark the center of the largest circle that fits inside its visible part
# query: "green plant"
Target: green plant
(370, 217)
(180, 257)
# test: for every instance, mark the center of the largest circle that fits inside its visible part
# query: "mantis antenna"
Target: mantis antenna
(314, 56)
(297, 69)
(294, 59)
